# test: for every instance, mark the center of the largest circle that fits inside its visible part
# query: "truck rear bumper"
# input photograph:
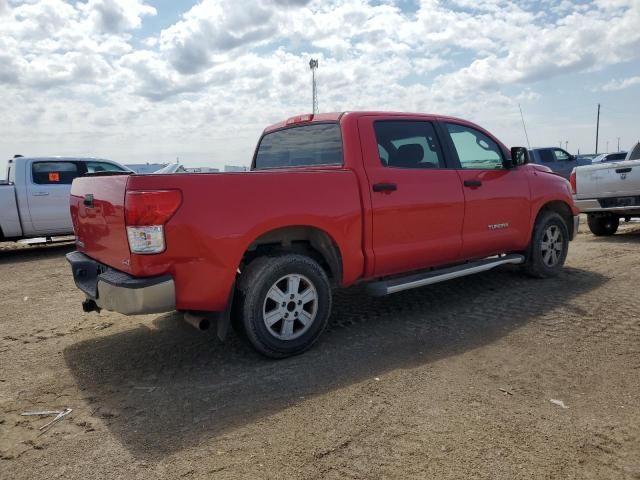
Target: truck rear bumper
(593, 205)
(588, 205)
(120, 292)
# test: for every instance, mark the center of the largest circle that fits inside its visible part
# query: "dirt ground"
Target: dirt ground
(449, 381)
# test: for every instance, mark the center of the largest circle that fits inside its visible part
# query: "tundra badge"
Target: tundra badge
(498, 226)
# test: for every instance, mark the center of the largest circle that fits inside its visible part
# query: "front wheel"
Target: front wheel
(549, 245)
(603, 225)
(285, 302)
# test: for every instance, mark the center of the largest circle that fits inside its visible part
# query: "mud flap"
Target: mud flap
(224, 318)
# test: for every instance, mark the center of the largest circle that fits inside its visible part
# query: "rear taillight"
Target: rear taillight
(572, 181)
(146, 213)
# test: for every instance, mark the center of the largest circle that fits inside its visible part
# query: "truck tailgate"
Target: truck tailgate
(97, 210)
(608, 180)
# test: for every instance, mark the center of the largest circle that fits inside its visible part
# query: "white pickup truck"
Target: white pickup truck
(607, 192)
(34, 197)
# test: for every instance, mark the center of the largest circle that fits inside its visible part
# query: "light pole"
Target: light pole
(618, 143)
(313, 65)
(597, 128)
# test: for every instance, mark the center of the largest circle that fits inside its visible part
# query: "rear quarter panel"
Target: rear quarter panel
(222, 214)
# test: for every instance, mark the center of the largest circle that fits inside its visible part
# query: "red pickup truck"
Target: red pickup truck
(391, 199)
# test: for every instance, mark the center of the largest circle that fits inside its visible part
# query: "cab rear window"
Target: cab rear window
(308, 145)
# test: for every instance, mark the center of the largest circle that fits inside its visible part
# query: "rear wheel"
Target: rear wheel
(285, 302)
(603, 225)
(547, 251)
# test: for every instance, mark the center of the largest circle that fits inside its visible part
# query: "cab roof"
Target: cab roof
(308, 118)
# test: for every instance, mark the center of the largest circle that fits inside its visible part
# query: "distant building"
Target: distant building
(235, 168)
(146, 167)
(202, 169)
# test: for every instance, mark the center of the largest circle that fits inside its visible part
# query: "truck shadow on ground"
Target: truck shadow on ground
(164, 387)
(628, 235)
(16, 253)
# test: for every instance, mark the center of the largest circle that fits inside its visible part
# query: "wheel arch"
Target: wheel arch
(304, 239)
(561, 208)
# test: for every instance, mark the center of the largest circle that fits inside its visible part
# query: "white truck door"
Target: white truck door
(49, 186)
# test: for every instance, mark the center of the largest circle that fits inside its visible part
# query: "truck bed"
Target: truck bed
(219, 218)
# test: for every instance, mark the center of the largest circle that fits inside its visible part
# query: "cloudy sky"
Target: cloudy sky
(152, 80)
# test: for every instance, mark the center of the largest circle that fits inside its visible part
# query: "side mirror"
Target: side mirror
(519, 156)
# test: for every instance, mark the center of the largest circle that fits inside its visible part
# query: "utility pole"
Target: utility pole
(597, 128)
(618, 143)
(566, 145)
(607, 151)
(313, 65)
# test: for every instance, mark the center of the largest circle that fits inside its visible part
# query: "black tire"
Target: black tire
(541, 262)
(264, 279)
(603, 225)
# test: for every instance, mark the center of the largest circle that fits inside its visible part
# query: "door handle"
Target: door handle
(623, 170)
(384, 187)
(472, 183)
(40, 194)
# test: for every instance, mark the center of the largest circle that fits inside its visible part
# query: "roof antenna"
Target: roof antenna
(525, 128)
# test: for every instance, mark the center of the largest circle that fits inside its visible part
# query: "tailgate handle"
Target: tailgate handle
(623, 170)
(472, 183)
(88, 200)
(384, 187)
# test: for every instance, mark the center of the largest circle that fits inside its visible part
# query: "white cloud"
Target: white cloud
(615, 85)
(206, 85)
(116, 16)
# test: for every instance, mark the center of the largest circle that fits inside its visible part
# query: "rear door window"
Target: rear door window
(305, 146)
(408, 144)
(54, 173)
(546, 156)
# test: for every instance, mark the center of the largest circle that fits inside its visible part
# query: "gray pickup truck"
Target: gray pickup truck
(557, 159)
(34, 197)
(608, 192)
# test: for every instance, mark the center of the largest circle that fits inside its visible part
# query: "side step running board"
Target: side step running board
(387, 287)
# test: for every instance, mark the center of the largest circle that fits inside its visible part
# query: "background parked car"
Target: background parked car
(610, 157)
(557, 159)
(34, 198)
